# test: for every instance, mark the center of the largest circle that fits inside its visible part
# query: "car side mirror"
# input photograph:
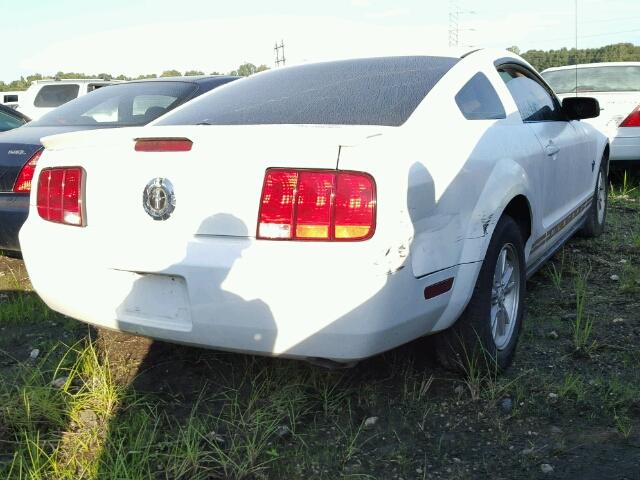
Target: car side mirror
(578, 108)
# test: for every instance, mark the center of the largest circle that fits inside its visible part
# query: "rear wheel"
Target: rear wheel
(486, 334)
(597, 216)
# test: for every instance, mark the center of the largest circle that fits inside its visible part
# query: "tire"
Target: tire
(474, 341)
(597, 216)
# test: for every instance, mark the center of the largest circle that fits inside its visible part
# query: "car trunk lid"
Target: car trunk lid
(216, 185)
(614, 108)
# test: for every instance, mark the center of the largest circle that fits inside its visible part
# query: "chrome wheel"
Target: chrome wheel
(505, 296)
(601, 197)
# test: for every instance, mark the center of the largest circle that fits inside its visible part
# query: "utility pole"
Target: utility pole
(279, 50)
(455, 15)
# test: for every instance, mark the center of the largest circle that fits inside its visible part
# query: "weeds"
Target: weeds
(624, 190)
(554, 273)
(582, 327)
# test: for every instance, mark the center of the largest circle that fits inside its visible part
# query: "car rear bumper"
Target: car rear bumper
(625, 146)
(14, 209)
(239, 294)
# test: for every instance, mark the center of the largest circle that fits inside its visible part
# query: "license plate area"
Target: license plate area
(158, 301)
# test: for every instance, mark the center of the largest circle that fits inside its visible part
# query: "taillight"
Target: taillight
(59, 196)
(23, 182)
(163, 145)
(324, 205)
(633, 120)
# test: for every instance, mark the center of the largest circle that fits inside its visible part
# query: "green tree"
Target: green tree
(145, 77)
(247, 69)
(171, 73)
(514, 49)
(193, 73)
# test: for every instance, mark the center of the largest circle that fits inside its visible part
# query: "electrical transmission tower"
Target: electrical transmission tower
(455, 15)
(279, 50)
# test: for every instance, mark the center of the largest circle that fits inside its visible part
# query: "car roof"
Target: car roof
(593, 65)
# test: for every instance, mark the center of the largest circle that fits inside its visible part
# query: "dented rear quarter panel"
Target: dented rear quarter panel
(443, 181)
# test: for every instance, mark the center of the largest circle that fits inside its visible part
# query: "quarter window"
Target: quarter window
(534, 101)
(478, 100)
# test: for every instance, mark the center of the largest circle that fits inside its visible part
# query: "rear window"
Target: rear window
(120, 105)
(595, 79)
(7, 122)
(51, 96)
(377, 91)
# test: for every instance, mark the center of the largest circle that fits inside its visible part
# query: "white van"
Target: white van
(45, 95)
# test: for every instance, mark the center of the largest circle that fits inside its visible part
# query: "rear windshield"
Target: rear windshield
(595, 79)
(120, 105)
(377, 91)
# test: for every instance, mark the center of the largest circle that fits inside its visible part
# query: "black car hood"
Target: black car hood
(17, 146)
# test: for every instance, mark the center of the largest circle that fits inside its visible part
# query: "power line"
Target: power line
(455, 14)
(279, 50)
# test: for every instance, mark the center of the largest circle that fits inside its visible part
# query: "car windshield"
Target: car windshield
(375, 91)
(120, 105)
(595, 79)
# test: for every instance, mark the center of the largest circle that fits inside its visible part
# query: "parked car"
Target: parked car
(616, 86)
(327, 211)
(45, 95)
(10, 118)
(120, 105)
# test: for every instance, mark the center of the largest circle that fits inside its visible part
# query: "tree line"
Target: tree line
(23, 83)
(542, 59)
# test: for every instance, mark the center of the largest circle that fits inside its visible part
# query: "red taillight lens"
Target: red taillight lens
(163, 145)
(23, 182)
(633, 120)
(355, 206)
(59, 196)
(314, 205)
(317, 205)
(276, 205)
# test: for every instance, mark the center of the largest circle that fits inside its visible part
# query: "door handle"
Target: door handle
(551, 149)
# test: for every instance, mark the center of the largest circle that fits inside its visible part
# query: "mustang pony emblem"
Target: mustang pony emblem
(158, 199)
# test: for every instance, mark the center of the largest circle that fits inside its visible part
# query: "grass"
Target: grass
(555, 270)
(582, 328)
(122, 408)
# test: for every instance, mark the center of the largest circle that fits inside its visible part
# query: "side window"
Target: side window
(105, 112)
(154, 105)
(534, 102)
(55, 95)
(478, 100)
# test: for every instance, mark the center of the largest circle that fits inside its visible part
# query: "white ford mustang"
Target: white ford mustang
(327, 211)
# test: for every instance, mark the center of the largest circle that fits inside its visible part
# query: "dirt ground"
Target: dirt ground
(559, 412)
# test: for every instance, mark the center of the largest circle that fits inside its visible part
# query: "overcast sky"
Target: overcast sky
(148, 36)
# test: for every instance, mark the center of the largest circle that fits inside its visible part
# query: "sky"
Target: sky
(135, 37)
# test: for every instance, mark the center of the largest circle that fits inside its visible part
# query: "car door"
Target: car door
(564, 154)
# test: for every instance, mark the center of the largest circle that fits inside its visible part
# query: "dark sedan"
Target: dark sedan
(10, 118)
(120, 105)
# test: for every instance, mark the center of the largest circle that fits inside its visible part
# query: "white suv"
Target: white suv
(45, 95)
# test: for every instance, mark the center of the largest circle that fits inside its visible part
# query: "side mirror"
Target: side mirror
(578, 108)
